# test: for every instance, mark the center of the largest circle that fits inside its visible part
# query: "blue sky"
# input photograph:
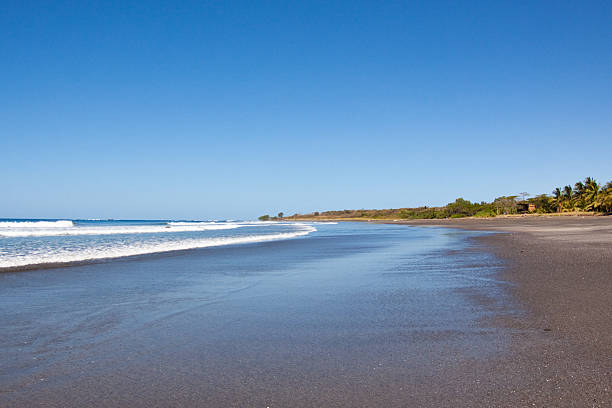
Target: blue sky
(235, 109)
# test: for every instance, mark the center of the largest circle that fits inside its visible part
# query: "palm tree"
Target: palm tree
(579, 191)
(567, 194)
(557, 197)
(600, 199)
(591, 189)
(606, 198)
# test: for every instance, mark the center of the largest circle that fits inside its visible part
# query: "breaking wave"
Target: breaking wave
(119, 250)
(59, 228)
(33, 225)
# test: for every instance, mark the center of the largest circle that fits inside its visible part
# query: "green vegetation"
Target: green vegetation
(585, 196)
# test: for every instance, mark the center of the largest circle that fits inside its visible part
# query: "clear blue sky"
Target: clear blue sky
(233, 109)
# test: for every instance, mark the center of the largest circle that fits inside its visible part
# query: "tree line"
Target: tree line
(584, 196)
(587, 195)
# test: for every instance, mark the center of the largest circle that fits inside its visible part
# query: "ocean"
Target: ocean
(34, 242)
(238, 313)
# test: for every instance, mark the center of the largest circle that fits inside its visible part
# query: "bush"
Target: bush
(485, 213)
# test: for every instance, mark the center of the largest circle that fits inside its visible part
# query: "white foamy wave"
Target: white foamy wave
(70, 229)
(208, 225)
(119, 250)
(31, 225)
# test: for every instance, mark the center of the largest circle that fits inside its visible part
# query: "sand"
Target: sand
(562, 349)
(558, 272)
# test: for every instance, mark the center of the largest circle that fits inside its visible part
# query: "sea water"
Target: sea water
(253, 311)
(31, 243)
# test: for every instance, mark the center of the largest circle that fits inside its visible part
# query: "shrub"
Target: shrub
(485, 213)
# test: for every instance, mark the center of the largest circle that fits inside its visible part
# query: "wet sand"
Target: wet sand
(283, 344)
(562, 348)
(354, 315)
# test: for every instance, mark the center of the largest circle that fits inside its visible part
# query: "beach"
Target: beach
(401, 204)
(352, 315)
(561, 268)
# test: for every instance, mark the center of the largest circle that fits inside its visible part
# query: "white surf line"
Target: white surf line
(97, 253)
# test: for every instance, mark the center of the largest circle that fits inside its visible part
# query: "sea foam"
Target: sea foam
(119, 249)
(36, 224)
(59, 228)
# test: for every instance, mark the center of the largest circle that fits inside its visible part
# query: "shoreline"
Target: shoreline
(556, 349)
(563, 215)
(342, 320)
(561, 274)
(213, 242)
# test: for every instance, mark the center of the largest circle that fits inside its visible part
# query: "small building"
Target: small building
(525, 207)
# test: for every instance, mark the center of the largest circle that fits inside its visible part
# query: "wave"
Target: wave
(209, 225)
(120, 251)
(70, 229)
(36, 224)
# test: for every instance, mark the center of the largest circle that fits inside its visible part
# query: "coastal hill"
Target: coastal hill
(585, 196)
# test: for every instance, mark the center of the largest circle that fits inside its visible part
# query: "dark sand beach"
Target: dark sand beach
(367, 317)
(562, 347)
